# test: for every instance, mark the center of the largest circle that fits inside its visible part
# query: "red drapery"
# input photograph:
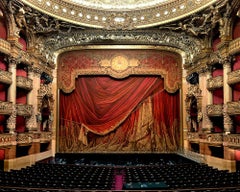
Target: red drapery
(135, 113)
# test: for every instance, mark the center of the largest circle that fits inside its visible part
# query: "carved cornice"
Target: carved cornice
(215, 83)
(233, 108)
(233, 77)
(234, 46)
(6, 107)
(232, 140)
(5, 47)
(24, 110)
(7, 139)
(24, 83)
(119, 18)
(214, 110)
(5, 77)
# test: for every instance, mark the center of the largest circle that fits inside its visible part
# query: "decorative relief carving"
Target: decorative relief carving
(24, 110)
(7, 139)
(232, 140)
(215, 82)
(24, 83)
(5, 46)
(214, 110)
(45, 137)
(6, 107)
(31, 123)
(234, 46)
(234, 77)
(24, 138)
(193, 137)
(214, 138)
(228, 123)
(11, 121)
(5, 77)
(233, 108)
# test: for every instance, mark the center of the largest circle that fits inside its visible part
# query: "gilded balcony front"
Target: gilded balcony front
(5, 77)
(215, 83)
(193, 137)
(234, 77)
(5, 46)
(6, 108)
(24, 138)
(7, 139)
(234, 46)
(214, 110)
(24, 110)
(232, 140)
(24, 83)
(45, 137)
(233, 108)
(214, 139)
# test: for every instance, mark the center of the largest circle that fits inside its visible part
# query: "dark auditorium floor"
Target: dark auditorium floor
(119, 172)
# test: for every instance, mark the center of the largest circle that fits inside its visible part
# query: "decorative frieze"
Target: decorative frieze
(6, 107)
(215, 82)
(214, 110)
(234, 46)
(24, 138)
(45, 137)
(24, 110)
(232, 140)
(233, 108)
(214, 138)
(5, 77)
(5, 47)
(233, 77)
(193, 137)
(24, 83)
(7, 139)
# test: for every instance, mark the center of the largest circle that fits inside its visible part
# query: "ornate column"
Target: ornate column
(209, 101)
(228, 124)
(32, 99)
(11, 122)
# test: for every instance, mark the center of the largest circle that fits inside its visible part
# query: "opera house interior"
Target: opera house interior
(106, 95)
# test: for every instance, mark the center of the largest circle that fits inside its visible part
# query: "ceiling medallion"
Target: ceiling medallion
(109, 15)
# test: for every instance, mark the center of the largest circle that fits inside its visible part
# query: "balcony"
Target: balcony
(214, 110)
(6, 108)
(7, 139)
(214, 139)
(234, 46)
(233, 108)
(232, 140)
(215, 83)
(45, 137)
(5, 47)
(233, 77)
(5, 77)
(24, 138)
(24, 110)
(193, 137)
(24, 83)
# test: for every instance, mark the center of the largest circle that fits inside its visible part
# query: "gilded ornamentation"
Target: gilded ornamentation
(119, 63)
(233, 108)
(5, 77)
(6, 107)
(214, 138)
(31, 123)
(24, 138)
(5, 46)
(24, 82)
(215, 82)
(234, 77)
(228, 123)
(231, 140)
(214, 110)
(7, 139)
(24, 110)
(11, 121)
(234, 46)
(45, 137)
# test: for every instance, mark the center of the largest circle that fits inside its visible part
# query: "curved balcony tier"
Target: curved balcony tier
(24, 110)
(5, 77)
(215, 83)
(232, 140)
(234, 46)
(233, 108)
(6, 108)
(24, 83)
(233, 77)
(214, 110)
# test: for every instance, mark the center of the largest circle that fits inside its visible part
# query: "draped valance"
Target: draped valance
(119, 63)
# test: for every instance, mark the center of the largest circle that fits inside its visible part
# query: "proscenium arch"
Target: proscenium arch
(173, 50)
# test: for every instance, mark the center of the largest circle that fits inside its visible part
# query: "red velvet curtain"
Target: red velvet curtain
(135, 113)
(101, 104)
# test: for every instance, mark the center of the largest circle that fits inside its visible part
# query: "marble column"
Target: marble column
(227, 90)
(11, 122)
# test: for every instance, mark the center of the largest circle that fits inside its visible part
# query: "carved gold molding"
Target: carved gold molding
(214, 110)
(233, 108)
(5, 47)
(24, 83)
(232, 140)
(234, 46)
(213, 139)
(119, 19)
(5, 77)
(7, 139)
(215, 82)
(24, 110)
(6, 107)
(234, 77)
